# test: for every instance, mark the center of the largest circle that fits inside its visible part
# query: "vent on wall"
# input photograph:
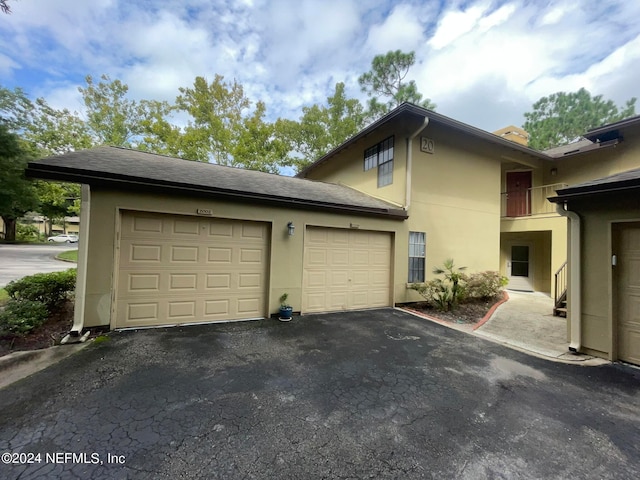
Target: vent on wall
(427, 145)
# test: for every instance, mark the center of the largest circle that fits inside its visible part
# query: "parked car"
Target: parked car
(64, 238)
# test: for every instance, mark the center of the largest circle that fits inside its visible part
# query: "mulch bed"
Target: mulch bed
(469, 312)
(47, 335)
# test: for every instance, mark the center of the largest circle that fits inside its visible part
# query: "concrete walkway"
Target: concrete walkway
(526, 322)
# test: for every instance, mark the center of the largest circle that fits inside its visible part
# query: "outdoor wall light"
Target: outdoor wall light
(290, 228)
(554, 172)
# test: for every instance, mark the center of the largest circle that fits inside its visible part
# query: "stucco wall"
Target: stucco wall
(285, 269)
(598, 214)
(455, 201)
(595, 164)
(347, 168)
(454, 196)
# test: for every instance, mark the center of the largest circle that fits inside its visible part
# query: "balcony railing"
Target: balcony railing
(529, 201)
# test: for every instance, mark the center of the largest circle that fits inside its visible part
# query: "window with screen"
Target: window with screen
(381, 156)
(417, 256)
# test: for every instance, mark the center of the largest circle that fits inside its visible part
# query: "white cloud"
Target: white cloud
(402, 30)
(456, 23)
(470, 54)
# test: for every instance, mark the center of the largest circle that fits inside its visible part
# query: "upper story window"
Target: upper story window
(381, 156)
(417, 256)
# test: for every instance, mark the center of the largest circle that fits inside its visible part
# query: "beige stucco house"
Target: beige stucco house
(167, 241)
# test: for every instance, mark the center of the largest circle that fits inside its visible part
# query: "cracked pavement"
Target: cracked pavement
(373, 394)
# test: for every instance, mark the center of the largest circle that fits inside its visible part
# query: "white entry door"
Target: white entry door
(519, 268)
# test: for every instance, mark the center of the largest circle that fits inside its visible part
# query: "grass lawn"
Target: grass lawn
(69, 255)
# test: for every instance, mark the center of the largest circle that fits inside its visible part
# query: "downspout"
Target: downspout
(574, 294)
(407, 200)
(75, 335)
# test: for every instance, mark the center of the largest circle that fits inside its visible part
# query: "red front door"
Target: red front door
(518, 194)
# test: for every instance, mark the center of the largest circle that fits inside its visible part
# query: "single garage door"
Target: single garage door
(345, 270)
(179, 269)
(628, 275)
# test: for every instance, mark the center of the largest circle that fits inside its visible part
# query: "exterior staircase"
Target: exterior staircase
(560, 292)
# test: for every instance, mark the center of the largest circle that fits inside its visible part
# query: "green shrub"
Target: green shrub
(485, 285)
(49, 288)
(456, 287)
(19, 317)
(444, 293)
(27, 233)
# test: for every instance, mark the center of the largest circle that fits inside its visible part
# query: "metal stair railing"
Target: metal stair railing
(560, 291)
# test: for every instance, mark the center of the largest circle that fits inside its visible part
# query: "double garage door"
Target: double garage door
(178, 269)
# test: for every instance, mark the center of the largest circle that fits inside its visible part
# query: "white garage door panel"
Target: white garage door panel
(346, 270)
(176, 269)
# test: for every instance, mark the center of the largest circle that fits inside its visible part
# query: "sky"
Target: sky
(482, 62)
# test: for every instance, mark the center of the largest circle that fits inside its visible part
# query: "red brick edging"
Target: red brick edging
(505, 297)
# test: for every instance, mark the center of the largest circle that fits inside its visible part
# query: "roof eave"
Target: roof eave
(575, 193)
(420, 111)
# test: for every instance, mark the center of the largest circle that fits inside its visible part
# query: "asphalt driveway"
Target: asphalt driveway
(378, 394)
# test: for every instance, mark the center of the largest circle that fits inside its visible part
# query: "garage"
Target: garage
(176, 269)
(628, 292)
(604, 265)
(345, 269)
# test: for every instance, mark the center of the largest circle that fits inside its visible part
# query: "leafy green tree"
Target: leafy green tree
(55, 132)
(257, 146)
(322, 127)
(56, 200)
(15, 108)
(112, 118)
(562, 117)
(17, 195)
(216, 110)
(385, 83)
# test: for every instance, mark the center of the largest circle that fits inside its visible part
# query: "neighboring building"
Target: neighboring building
(604, 253)
(69, 224)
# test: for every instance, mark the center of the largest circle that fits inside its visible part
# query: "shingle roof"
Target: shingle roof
(410, 110)
(122, 167)
(594, 133)
(612, 183)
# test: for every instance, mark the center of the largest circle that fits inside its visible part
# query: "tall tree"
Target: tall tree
(216, 110)
(258, 147)
(17, 195)
(562, 117)
(15, 108)
(112, 118)
(55, 132)
(323, 127)
(385, 83)
(4, 6)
